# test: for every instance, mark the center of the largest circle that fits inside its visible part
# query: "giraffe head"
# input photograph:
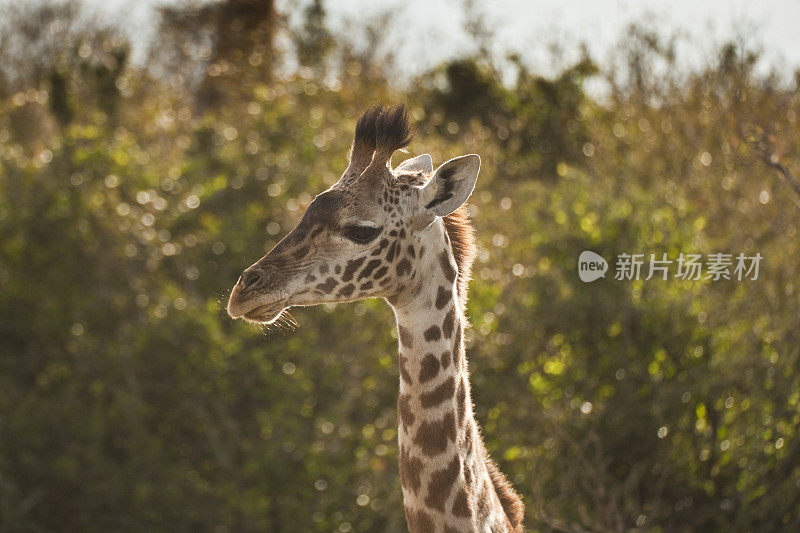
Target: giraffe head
(366, 236)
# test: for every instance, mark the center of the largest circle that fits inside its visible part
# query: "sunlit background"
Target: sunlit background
(150, 151)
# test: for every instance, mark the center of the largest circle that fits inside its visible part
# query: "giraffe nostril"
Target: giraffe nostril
(250, 278)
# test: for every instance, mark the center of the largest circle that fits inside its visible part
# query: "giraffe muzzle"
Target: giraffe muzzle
(255, 296)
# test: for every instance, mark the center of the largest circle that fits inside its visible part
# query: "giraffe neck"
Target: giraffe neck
(442, 460)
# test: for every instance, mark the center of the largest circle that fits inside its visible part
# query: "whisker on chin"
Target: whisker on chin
(285, 322)
(289, 319)
(268, 329)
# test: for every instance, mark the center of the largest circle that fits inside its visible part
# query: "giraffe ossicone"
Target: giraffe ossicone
(401, 234)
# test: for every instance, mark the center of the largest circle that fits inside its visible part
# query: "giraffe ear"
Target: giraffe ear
(450, 186)
(421, 163)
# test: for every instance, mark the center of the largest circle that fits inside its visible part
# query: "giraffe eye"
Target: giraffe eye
(360, 234)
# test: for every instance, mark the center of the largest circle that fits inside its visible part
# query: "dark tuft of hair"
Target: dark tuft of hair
(462, 241)
(392, 132)
(380, 131)
(364, 138)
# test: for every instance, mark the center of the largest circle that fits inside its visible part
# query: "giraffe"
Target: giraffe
(401, 234)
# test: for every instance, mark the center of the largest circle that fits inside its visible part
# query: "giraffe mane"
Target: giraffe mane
(509, 499)
(462, 242)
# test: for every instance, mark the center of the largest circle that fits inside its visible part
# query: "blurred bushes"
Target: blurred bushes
(537, 121)
(128, 208)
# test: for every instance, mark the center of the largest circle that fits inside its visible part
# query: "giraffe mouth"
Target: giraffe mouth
(265, 314)
(257, 306)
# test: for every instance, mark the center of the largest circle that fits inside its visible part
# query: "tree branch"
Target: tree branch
(772, 161)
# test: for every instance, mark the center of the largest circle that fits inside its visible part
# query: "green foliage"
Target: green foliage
(130, 402)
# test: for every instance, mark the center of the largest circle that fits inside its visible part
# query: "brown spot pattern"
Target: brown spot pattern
(432, 437)
(468, 439)
(328, 286)
(347, 290)
(447, 267)
(429, 368)
(403, 266)
(443, 296)
(419, 521)
(441, 484)
(433, 333)
(483, 502)
(391, 252)
(381, 246)
(449, 321)
(439, 394)
(352, 266)
(381, 272)
(445, 359)
(461, 504)
(410, 469)
(406, 338)
(403, 407)
(372, 265)
(467, 473)
(404, 371)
